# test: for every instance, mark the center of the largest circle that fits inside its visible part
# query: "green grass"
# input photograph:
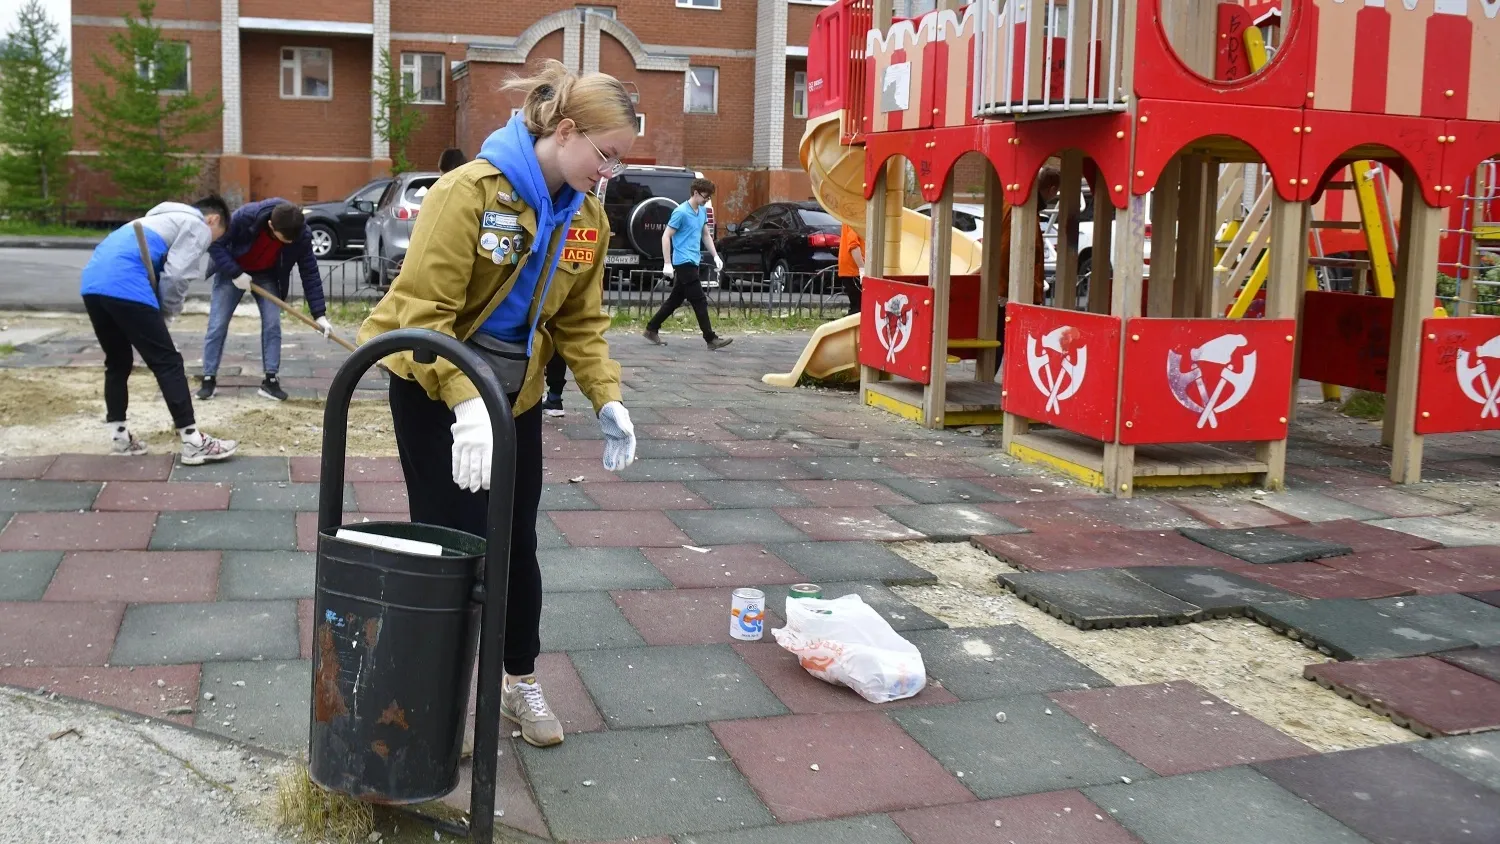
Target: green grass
(684, 322)
(6, 350)
(1364, 405)
(25, 228)
(349, 313)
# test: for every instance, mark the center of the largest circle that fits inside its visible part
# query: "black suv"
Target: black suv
(639, 202)
(339, 226)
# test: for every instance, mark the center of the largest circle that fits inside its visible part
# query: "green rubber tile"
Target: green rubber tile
(246, 530)
(669, 469)
(950, 522)
(1227, 805)
(1451, 615)
(267, 575)
(674, 684)
(24, 575)
(1476, 757)
(282, 495)
(735, 527)
(565, 497)
(1098, 598)
(746, 494)
(1346, 629)
(672, 449)
(835, 562)
(1218, 593)
(641, 783)
(869, 829)
(579, 621)
(897, 611)
(1001, 759)
(598, 570)
(1263, 546)
(837, 468)
(999, 662)
(225, 631)
(240, 470)
(47, 495)
(262, 703)
(547, 534)
(945, 491)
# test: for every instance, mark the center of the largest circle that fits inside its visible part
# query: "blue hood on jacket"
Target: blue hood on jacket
(512, 149)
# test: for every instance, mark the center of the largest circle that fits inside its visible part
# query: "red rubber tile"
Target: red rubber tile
(160, 496)
(381, 498)
(1095, 550)
(847, 493)
(1479, 560)
(307, 525)
(866, 763)
(1177, 728)
(305, 626)
(78, 532)
(928, 468)
(1036, 489)
(136, 577)
(1094, 514)
(52, 633)
(1312, 580)
(24, 468)
(512, 795)
(1394, 502)
(724, 566)
(358, 470)
(1412, 569)
(566, 695)
(1337, 477)
(131, 689)
(693, 416)
(1233, 514)
(1053, 817)
(639, 495)
(564, 470)
(682, 616)
(805, 694)
(1360, 536)
(107, 467)
(759, 448)
(562, 448)
(832, 524)
(618, 529)
(1426, 695)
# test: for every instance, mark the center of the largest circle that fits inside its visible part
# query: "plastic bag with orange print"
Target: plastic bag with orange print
(845, 642)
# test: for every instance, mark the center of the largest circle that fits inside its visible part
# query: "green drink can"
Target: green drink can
(805, 590)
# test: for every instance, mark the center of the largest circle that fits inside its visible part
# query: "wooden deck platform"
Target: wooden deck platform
(966, 402)
(1188, 464)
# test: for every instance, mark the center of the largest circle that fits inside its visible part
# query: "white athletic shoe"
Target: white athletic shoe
(199, 448)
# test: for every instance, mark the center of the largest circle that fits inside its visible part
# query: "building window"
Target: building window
(422, 77)
(606, 11)
(699, 4)
(176, 58)
(306, 73)
(640, 125)
(701, 93)
(799, 94)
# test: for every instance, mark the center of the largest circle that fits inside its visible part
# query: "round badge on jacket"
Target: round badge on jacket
(489, 240)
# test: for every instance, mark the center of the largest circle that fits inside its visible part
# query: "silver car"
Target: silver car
(388, 231)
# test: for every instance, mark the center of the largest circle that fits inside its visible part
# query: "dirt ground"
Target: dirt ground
(1238, 660)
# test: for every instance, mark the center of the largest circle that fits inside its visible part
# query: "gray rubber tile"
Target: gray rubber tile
(1452, 615)
(1098, 598)
(746, 494)
(267, 495)
(950, 522)
(869, 829)
(24, 575)
(734, 527)
(1227, 805)
(997, 662)
(1002, 760)
(1264, 545)
(1482, 661)
(263, 703)
(565, 497)
(240, 470)
(835, 562)
(1476, 757)
(897, 612)
(547, 535)
(246, 530)
(673, 469)
(36, 496)
(578, 621)
(267, 575)
(945, 491)
(1350, 629)
(671, 449)
(225, 631)
(1218, 593)
(1452, 531)
(1312, 506)
(854, 468)
(598, 570)
(642, 783)
(674, 684)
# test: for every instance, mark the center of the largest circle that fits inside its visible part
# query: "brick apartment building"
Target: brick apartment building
(721, 83)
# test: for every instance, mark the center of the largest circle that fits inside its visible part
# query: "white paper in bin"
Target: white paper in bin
(845, 642)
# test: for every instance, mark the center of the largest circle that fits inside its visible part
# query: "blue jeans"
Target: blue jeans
(225, 298)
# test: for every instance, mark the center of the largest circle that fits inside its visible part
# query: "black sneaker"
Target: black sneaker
(210, 384)
(271, 389)
(719, 342)
(552, 406)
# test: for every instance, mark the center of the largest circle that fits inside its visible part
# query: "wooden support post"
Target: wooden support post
(1190, 210)
(1420, 229)
(1068, 206)
(895, 203)
(874, 259)
(990, 272)
(1405, 245)
(881, 12)
(1307, 280)
(1129, 252)
(1023, 235)
(1283, 290)
(1208, 304)
(1164, 200)
(940, 252)
(1101, 279)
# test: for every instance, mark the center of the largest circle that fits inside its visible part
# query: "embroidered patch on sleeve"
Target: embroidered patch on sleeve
(582, 235)
(578, 255)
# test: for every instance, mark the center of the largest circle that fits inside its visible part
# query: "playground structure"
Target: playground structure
(1154, 102)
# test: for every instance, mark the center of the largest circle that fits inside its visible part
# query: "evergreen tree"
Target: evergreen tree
(397, 118)
(142, 116)
(35, 135)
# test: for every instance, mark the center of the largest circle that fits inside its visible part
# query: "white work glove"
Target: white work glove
(619, 436)
(473, 445)
(242, 281)
(718, 263)
(324, 324)
(668, 270)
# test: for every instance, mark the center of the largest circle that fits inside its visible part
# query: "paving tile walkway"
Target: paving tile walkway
(150, 586)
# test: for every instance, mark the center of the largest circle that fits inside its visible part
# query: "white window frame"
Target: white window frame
(640, 125)
(603, 11)
(144, 68)
(687, 90)
(799, 94)
(718, 5)
(296, 65)
(416, 77)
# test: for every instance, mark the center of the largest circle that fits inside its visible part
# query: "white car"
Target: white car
(967, 218)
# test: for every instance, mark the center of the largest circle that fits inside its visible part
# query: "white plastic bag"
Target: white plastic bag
(845, 642)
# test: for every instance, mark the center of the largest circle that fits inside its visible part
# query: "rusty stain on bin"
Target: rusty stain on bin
(328, 701)
(381, 748)
(394, 714)
(372, 632)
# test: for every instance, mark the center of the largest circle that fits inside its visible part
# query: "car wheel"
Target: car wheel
(324, 241)
(780, 274)
(372, 267)
(1081, 288)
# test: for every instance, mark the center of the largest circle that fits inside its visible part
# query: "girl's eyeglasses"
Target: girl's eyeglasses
(609, 166)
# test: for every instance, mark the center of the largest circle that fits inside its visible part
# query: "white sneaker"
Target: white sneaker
(199, 448)
(523, 703)
(126, 445)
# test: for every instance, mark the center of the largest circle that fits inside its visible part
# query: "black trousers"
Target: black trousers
(850, 283)
(557, 374)
(686, 287)
(424, 437)
(124, 328)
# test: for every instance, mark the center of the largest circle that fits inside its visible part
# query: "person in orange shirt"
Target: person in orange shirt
(851, 266)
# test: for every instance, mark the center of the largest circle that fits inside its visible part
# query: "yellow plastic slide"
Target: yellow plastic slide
(837, 173)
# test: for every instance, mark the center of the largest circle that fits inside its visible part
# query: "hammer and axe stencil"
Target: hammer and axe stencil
(1217, 353)
(1058, 386)
(1474, 376)
(893, 325)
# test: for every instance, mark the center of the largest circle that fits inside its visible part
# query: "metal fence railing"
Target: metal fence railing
(642, 292)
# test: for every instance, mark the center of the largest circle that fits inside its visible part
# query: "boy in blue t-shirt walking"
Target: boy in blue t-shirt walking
(682, 251)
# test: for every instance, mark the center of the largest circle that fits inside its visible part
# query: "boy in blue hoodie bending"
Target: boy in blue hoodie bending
(135, 282)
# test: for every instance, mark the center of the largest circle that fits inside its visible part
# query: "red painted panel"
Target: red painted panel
(1346, 339)
(1458, 384)
(1206, 380)
(1446, 67)
(1062, 368)
(1232, 61)
(963, 308)
(895, 328)
(1372, 52)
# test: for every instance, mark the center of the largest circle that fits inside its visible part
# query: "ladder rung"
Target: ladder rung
(1352, 225)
